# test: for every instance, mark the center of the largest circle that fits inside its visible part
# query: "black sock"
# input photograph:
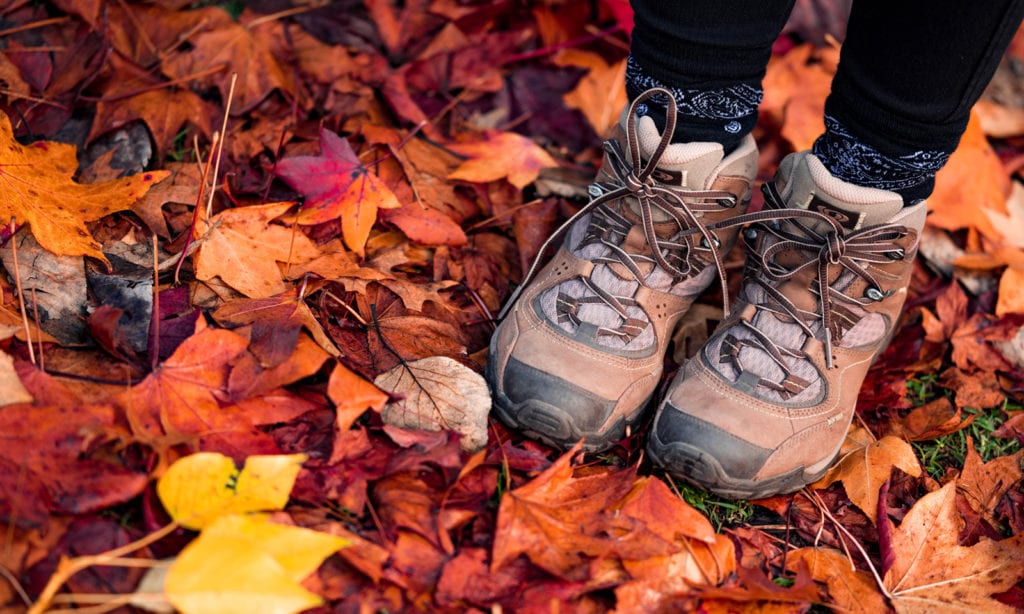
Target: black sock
(724, 115)
(909, 174)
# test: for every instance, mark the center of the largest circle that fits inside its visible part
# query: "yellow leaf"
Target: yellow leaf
(502, 154)
(299, 551)
(866, 464)
(225, 573)
(199, 488)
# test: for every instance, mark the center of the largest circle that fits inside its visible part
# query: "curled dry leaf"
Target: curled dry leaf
(438, 393)
(11, 388)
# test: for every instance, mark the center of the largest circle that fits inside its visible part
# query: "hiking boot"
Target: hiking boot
(764, 406)
(581, 349)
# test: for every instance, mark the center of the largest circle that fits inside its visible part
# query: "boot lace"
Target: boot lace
(835, 258)
(634, 179)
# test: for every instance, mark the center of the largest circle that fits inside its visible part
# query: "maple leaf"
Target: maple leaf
(971, 184)
(865, 464)
(240, 49)
(352, 395)
(591, 95)
(501, 155)
(337, 185)
(849, 589)
(243, 248)
(36, 188)
(178, 401)
(984, 484)
(931, 573)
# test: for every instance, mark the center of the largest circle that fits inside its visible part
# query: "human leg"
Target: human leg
(582, 348)
(764, 406)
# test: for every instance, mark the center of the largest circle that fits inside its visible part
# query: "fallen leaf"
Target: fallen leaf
(243, 248)
(972, 183)
(501, 155)
(337, 185)
(931, 573)
(248, 564)
(11, 389)
(438, 393)
(984, 484)
(352, 396)
(36, 188)
(601, 94)
(865, 463)
(200, 488)
(849, 589)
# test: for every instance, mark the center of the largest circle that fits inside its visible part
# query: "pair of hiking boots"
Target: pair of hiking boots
(763, 407)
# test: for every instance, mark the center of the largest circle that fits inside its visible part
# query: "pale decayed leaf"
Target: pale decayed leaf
(931, 573)
(438, 393)
(197, 489)
(866, 464)
(11, 389)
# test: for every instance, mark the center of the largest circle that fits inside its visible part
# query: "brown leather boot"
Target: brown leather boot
(580, 352)
(764, 406)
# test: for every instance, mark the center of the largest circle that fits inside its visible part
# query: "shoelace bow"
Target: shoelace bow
(829, 247)
(634, 178)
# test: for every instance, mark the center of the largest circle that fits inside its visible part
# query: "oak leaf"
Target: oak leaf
(36, 188)
(243, 248)
(865, 464)
(438, 393)
(336, 185)
(929, 572)
(501, 155)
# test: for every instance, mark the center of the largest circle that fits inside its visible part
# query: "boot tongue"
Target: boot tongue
(807, 184)
(685, 165)
(690, 166)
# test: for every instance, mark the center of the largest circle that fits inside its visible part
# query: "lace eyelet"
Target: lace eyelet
(750, 234)
(896, 254)
(727, 203)
(704, 243)
(875, 294)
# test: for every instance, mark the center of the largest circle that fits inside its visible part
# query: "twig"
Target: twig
(13, 581)
(42, 23)
(154, 322)
(874, 572)
(35, 316)
(220, 145)
(69, 567)
(21, 294)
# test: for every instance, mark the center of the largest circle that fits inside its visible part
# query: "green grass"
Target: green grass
(950, 450)
(721, 512)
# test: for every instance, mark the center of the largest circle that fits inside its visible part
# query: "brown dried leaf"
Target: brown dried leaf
(931, 573)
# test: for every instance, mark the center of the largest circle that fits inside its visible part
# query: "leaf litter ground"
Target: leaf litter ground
(254, 213)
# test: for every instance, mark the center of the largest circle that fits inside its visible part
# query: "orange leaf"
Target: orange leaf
(243, 248)
(931, 573)
(36, 188)
(337, 185)
(795, 87)
(866, 464)
(984, 484)
(352, 395)
(601, 93)
(850, 590)
(501, 155)
(973, 184)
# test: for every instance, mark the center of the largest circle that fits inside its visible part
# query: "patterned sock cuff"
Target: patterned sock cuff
(724, 115)
(911, 174)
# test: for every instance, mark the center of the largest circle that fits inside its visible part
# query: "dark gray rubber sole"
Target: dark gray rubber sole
(696, 467)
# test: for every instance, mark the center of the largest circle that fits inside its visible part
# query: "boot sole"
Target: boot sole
(696, 467)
